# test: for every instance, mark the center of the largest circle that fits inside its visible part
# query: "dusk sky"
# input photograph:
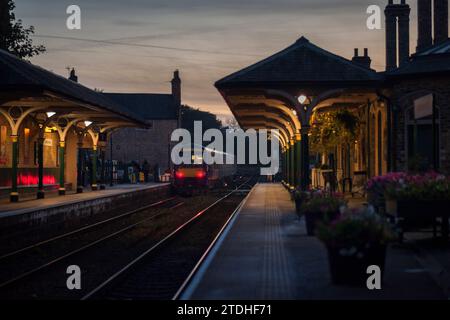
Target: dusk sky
(206, 39)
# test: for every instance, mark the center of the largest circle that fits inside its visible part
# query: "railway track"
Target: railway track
(15, 286)
(32, 253)
(160, 271)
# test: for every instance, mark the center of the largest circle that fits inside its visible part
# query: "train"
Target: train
(200, 177)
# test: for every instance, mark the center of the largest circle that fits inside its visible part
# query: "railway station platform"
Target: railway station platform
(39, 211)
(264, 253)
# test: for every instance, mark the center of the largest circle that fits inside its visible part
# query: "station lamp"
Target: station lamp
(50, 114)
(87, 123)
(302, 98)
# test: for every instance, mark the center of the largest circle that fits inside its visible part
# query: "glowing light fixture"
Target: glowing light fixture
(87, 123)
(294, 112)
(302, 98)
(50, 114)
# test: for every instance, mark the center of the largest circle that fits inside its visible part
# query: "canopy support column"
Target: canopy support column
(94, 186)
(80, 164)
(288, 165)
(103, 170)
(14, 195)
(292, 163)
(40, 154)
(298, 166)
(305, 158)
(62, 187)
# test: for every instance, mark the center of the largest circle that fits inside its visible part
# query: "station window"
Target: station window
(422, 134)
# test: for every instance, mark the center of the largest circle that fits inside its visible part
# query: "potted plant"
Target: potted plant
(418, 199)
(377, 186)
(301, 197)
(354, 242)
(321, 207)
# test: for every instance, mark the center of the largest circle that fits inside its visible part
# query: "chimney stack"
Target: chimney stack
(176, 87)
(391, 36)
(397, 13)
(440, 21)
(73, 76)
(363, 61)
(403, 33)
(424, 24)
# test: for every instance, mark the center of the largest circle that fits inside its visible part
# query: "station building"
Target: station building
(151, 145)
(403, 112)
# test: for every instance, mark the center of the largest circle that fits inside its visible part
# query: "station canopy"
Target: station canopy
(28, 89)
(265, 94)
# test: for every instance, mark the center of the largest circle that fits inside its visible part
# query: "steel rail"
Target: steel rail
(157, 245)
(96, 224)
(78, 250)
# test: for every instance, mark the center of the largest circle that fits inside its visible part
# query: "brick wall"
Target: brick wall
(153, 145)
(403, 95)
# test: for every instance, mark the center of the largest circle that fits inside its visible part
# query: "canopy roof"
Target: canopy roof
(149, 106)
(301, 64)
(434, 60)
(23, 84)
(264, 95)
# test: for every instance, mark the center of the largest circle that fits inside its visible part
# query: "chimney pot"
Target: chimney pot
(363, 61)
(73, 75)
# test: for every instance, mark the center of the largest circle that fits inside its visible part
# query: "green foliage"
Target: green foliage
(189, 115)
(357, 229)
(14, 37)
(333, 128)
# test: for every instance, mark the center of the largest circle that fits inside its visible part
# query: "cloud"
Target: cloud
(253, 28)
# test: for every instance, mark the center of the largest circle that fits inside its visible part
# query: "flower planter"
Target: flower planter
(375, 199)
(348, 266)
(313, 218)
(417, 213)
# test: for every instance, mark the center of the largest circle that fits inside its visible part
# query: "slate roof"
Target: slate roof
(301, 63)
(433, 60)
(149, 106)
(19, 74)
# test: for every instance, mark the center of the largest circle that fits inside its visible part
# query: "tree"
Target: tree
(189, 115)
(14, 37)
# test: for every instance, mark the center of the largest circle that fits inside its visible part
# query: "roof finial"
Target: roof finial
(302, 40)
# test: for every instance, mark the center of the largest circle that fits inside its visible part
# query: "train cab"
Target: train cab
(190, 177)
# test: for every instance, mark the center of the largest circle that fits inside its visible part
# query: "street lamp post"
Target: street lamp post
(111, 183)
(303, 116)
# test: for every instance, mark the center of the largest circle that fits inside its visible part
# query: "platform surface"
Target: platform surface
(8, 209)
(266, 255)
